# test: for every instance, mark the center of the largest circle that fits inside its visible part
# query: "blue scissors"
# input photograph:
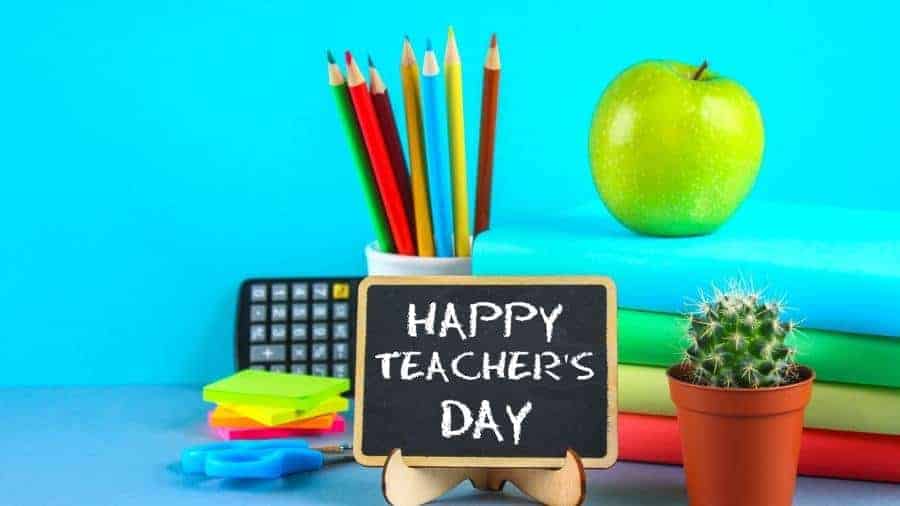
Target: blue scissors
(268, 458)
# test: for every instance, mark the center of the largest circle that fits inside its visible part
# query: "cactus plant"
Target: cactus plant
(736, 339)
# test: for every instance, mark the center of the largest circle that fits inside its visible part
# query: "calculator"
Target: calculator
(297, 325)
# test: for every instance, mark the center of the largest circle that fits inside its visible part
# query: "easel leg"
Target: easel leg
(403, 485)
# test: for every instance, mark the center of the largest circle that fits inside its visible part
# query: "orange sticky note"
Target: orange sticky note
(224, 417)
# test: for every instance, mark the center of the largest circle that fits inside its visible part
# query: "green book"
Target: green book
(833, 406)
(264, 388)
(647, 338)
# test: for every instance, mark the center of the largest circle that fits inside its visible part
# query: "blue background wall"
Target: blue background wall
(155, 153)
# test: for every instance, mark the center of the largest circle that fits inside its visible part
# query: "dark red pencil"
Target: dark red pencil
(385, 112)
(398, 218)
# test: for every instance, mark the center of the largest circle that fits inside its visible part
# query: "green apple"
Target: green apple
(674, 148)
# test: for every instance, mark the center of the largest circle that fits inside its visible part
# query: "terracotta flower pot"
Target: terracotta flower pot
(740, 445)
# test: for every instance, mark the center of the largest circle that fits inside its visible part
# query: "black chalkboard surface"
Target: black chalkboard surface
(486, 371)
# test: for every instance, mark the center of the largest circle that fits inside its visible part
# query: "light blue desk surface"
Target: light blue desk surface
(119, 446)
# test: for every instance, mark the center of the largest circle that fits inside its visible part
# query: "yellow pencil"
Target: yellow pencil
(457, 134)
(412, 103)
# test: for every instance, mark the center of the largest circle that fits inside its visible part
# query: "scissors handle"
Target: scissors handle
(240, 463)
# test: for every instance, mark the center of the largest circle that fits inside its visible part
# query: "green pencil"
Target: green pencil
(351, 129)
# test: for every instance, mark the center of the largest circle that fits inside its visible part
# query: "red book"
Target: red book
(826, 453)
(398, 218)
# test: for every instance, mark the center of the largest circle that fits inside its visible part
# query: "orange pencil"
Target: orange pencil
(489, 92)
(398, 219)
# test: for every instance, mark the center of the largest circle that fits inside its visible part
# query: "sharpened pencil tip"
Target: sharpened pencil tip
(428, 46)
(494, 40)
(450, 34)
(329, 55)
(371, 62)
(406, 37)
(348, 57)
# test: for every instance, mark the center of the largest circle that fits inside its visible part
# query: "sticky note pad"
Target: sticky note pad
(224, 417)
(273, 415)
(273, 432)
(296, 391)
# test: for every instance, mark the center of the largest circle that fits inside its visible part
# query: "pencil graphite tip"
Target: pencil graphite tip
(371, 62)
(329, 55)
(428, 46)
(406, 37)
(494, 40)
(450, 34)
(348, 57)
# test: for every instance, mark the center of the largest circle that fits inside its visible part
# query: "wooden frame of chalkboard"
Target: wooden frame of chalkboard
(610, 424)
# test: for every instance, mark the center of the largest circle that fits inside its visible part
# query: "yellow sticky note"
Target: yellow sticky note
(224, 417)
(276, 415)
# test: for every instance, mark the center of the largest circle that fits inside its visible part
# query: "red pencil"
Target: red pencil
(398, 219)
(385, 112)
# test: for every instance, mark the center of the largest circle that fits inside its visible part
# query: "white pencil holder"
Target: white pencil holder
(392, 264)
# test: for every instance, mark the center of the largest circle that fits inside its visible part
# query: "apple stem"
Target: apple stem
(700, 70)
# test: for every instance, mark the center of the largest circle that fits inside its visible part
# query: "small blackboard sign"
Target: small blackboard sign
(486, 371)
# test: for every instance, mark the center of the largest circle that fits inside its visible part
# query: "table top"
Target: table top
(120, 445)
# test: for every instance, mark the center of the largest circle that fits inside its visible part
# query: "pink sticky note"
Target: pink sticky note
(229, 434)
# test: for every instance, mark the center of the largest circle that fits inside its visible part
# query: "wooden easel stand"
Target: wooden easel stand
(404, 486)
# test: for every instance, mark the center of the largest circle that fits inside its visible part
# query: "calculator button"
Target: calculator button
(340, 291)
(300, 369)
(298, 332)
(263, 353)
(320, 331)
(320, 351)
(279, 332)
(340, 370)
(341, 331)
(320, 311)
(277, 368)
(279, 292)
(339, 351)
(279, 312)
(257, 333)
(320, 369)
(299, 353)
(258, 367)
(257, 313)
(340, 310)
(320, 291)
(299, 311)
(258, 292)
(299, 291)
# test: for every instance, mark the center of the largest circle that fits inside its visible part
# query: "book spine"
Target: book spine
(834, 406)
(824, 453)
(661, 278)
(647, 338)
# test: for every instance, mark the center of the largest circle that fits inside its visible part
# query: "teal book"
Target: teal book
(838, 269)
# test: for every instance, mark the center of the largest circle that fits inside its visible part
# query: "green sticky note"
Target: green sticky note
(264, 388)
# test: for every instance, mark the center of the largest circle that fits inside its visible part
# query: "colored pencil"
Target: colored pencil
(385, 112)
(457, 134)
(418, 165)
(437, 175)
(489, 93)
(397, 218)
(358, 151)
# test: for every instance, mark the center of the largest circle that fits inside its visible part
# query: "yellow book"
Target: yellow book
(834, 406)
(277, 415)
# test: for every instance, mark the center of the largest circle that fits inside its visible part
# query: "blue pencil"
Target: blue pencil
(438, 177)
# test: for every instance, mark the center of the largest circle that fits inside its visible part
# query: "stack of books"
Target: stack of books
(838, 270)
(262, 405)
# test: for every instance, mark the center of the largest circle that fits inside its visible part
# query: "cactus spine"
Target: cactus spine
(736, 340)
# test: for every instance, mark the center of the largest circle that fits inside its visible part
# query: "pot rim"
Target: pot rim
(800, 384)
